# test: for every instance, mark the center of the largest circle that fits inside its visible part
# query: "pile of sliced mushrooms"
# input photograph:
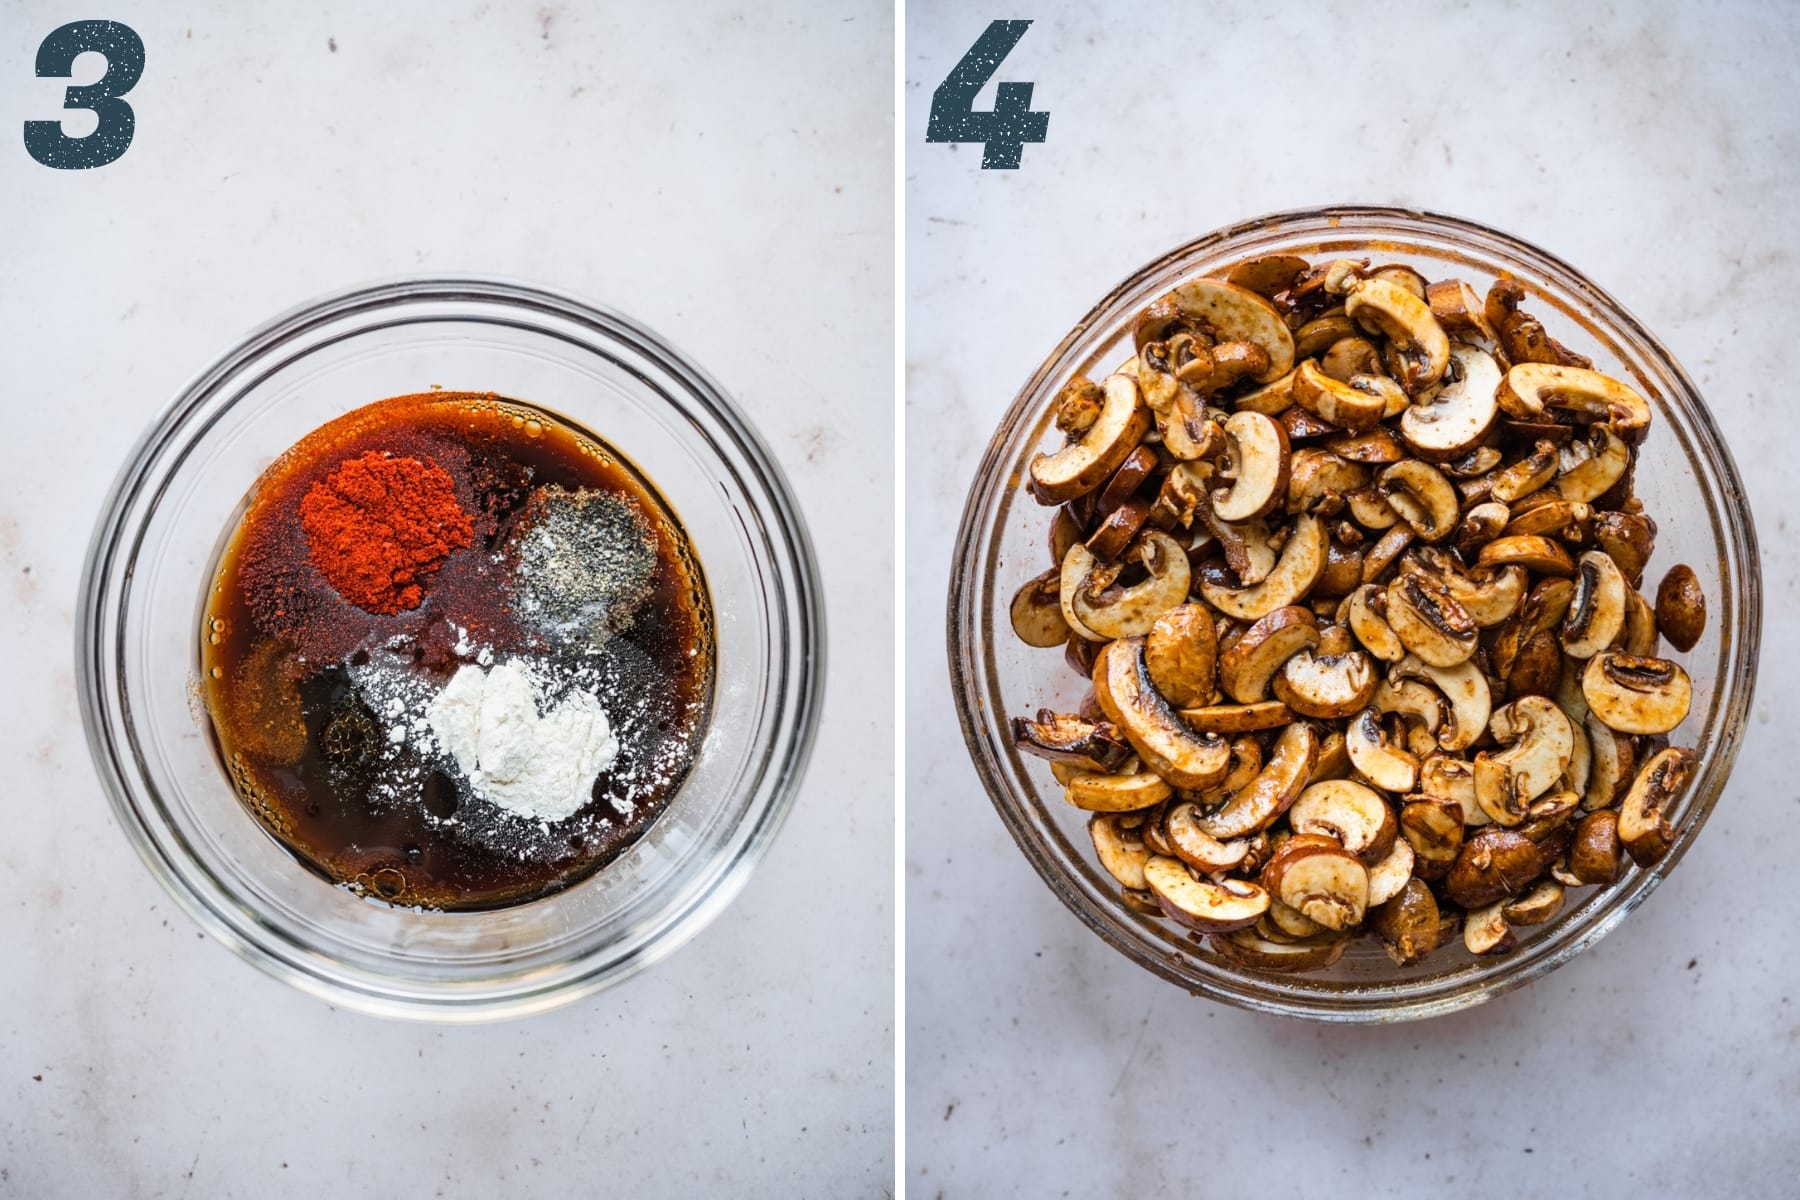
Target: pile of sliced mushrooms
(1353, 562)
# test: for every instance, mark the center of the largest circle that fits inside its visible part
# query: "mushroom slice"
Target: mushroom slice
(1238, 718)
(1326, 686)
(1320, 878)
(1466, 689)
(1422, 496)
(1451, 778)
(1460, 311)
(1528, 475)
(1539, 743)
(1256, 462)
(1636, 695)
(1488, 596)
(1336, 403)
(1370, 509)
(1588, 470)
(1201, 904)
(1387, 767)
(1433, 827)
(1319, 479)
(1249, 949)
(1639, 637)
(1594, 854)
(1284, 924)
(1115, 792)
(1597, 612)
(1356, 816)
(1535, 907)
(1301, 563)
(1406, 321)
(1121, 851)
(1090, 459)
(1418, 703)
(1064, 738)
(1268, 276)
(1613, 761)
(1449, 420)
(1251, 664)
(1273, 790)
(1182, 655)
(1361, 611)
(1431, 625)
(1350, 356)
(1480, 524)
(1486, 931)
(1236, 314)
(1162, 740)
(1496, 863)
(1271, 399)
(1644, 827)
(1389, 875)
(1530, 551)
(1387, 548)
(1246, 545)
(1681, 608)
(1629, 538)
(1407, 920)
(1318, 335)
(1554, 517)
(1199, 849)
(1037, 611)
(1333, 762)
(1077, 565)
(1530, 387)
(1116, 612)
(1117, 528)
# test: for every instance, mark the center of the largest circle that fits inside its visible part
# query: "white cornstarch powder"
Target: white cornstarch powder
(540, 765)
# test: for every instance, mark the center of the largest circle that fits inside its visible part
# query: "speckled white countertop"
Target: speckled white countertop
(724, 175)
(1654, 145)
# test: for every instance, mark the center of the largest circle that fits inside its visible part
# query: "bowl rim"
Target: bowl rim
(798, 620)
(972, 685)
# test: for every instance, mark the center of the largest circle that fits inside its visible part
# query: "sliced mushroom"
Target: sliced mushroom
(1077, 565)
(1114, 611)
(1417, 703)
(1595, 854)
(1165, 743)
(1256, 462)
(1459, 310)
(1326, 686)
(1319, 479)
(1362, 611)
(1078, 405)
(1350, 356)
(1596, 614)
(1121, 851)
(1429, 623)
(1115, 792)
(1202, 904)
(1588, 470)
(1387, 767)
(1389, 874)
(1271, 399)
(1613, 757)
(1450, 778)
(1199, 849)
(1636, 695)
(1273, 790)
(1466, 690)
(1246, 948)
(1236, 314)
(1449, 420)
(1630, 538)
(1037, 611)
(1433, 827)
(1087, 462)
(1486, 931)
(1320, 878)
(1356, 816)
(1284, 924)
(1238, 718)
(1268, 276)
(1530, 387)
(1489, 596)
(1061, 738)
(1318, 335)
(1406, 321)
(1377, 447)
(1248, 668)
(1534, 553)
(1333, 762)
(1407, 922)
(1539, 743)
(1370, 509)
(1181, 653)
(1644, 828)
(1639, 636)
(1339, 404)
(1495, 863)
(1301, 563)
(1530, 474)
(1422, 496)
(1681, 608)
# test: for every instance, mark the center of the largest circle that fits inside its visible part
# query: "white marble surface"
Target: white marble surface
(723, 173)
(1656, 147)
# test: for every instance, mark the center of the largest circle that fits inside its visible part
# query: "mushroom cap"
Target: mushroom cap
(1165, 743)
(1182, 653)
(1636, 695)
(1119, 792)
(1203, 904)
(1355, 816)
(1335, 403)
(1237, 314)
(1258, 450)
(1681, 607)
(1036, 611)
(1319, 877)
(1406, 920)
(1326, 686)
(1090, 459)
(1428, 622)
(1644, 828)
(1116, 612)
(1530, 387)
(1405, 319)
(1422, 496)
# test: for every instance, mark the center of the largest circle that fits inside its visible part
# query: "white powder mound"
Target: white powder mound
(540, 766)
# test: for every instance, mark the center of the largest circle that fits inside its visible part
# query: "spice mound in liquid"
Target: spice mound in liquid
(403, 542)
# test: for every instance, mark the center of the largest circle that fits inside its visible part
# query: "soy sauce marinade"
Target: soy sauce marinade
(300, 682)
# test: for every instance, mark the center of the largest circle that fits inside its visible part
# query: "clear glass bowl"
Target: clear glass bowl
(184, 485)
(1687, 482)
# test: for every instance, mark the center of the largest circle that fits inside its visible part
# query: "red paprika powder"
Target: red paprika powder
(379, 526)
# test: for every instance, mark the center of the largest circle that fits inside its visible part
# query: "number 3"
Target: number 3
(124, 52)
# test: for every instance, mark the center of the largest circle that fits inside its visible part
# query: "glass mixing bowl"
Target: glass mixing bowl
(1686, 480)
(183, 487)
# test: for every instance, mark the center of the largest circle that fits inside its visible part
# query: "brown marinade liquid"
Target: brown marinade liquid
(279, 650)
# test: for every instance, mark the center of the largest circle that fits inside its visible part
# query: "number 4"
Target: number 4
(1004, 131)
